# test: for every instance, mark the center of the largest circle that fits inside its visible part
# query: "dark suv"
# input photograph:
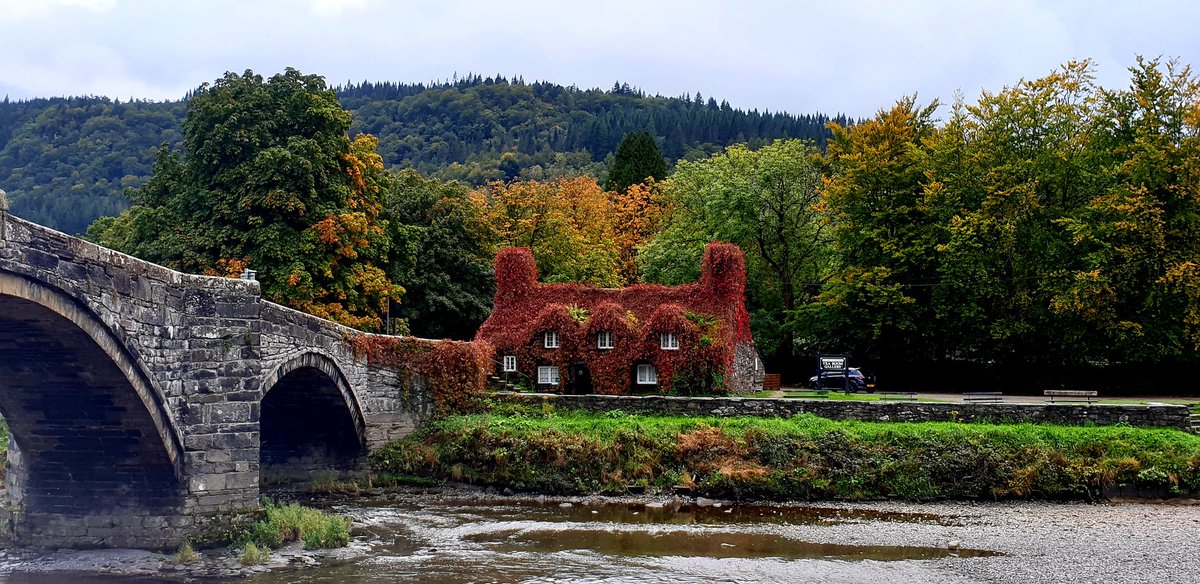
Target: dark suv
(833, 380)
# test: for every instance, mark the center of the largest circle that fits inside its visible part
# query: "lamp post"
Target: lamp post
(3, 215)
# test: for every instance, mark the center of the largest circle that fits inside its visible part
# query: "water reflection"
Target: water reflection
(710, 544)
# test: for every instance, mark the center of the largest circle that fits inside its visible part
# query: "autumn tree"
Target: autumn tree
(267, 178)
(1001, 174)
(637, 213)
(885, 238)
(566, 223)
(1137, 280)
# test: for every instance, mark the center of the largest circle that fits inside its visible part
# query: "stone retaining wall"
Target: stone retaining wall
(1166, 416)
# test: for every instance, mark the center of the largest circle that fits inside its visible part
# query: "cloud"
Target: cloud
(85, 68)
(850, 56)
(336, 7)
(12, 11)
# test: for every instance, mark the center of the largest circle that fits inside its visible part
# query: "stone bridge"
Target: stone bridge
(146, 406)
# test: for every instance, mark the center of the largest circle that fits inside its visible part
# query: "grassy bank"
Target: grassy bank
(805, 457)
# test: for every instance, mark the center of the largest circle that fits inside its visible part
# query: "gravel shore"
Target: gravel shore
(1114, 542)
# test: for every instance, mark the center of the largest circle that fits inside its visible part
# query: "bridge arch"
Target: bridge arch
(90, 432)
(310, 420)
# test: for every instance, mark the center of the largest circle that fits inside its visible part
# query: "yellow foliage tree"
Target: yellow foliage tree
(567, 223)
(637, 216)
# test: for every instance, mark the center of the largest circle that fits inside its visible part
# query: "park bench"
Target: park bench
(983, 397)
(898, 396)
(1070, 395)
(799, 392)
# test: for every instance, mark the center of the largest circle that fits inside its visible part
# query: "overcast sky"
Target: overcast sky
(849, 56)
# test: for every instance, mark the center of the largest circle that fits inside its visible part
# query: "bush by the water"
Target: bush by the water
(805, 457)
(292, 522)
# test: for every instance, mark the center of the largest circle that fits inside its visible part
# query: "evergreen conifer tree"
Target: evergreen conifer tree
(636, 159)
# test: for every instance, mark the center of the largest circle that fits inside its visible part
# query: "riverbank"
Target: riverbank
(800, 458)
(453, 533)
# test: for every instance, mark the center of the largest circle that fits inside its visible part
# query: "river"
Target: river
(444, 540)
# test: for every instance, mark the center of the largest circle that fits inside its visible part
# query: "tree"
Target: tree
(1000, 175)
(765, 201)
(1137, 281)
(268, 178)
(885, 239)
(637, 159)
(443, 254)
(567, 224)
(638, 213)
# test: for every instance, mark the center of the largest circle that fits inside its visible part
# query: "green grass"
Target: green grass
(805, 457)
(292, 522)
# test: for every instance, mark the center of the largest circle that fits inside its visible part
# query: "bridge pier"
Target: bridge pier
(145, 406)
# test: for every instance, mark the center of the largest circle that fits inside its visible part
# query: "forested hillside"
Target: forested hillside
(66, 161)
(482, 129)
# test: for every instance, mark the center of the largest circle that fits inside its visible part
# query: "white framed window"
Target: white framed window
(668, 341)
(547, 375)
(510, 363)
(551, 340)
(647, 375)
(604, 340)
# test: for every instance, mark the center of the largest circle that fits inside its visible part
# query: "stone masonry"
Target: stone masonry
(1163, 416)
(145, 405)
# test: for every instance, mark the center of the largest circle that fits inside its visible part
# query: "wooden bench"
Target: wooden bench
(813, 393)
(983, 397)
(898, 396)
(1070, 395)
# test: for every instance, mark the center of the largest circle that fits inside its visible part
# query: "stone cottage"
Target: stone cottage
(646, 338)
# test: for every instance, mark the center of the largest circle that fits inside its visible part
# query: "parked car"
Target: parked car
(833, 380)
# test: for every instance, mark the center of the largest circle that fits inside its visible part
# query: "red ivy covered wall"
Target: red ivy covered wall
(709, 318)
(455, 372)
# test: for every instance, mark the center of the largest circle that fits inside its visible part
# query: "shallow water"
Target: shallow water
(464, 541)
